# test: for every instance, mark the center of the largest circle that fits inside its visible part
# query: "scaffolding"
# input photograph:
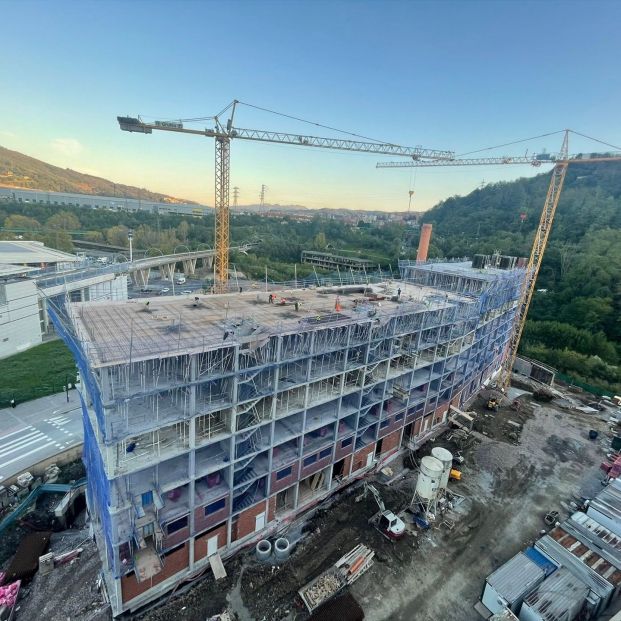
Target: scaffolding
(195, 411)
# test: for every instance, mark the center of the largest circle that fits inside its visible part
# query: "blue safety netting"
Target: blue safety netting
(61, 322)
(98, 486)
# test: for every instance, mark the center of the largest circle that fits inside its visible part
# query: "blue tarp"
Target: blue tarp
(534, 555)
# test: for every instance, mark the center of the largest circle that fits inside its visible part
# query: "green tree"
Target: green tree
(183, 230)
(63, 221)
(94, 236)
(17, 221)
(320, 243)
(117, 235)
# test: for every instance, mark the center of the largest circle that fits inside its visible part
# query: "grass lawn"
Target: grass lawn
(37, 372)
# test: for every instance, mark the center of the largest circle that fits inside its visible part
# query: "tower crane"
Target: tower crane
(224, 131)
(560, 161)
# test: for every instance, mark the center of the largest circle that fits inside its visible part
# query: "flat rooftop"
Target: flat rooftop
(120, 332)
(29, 252)
(464, 268)
(8, 270)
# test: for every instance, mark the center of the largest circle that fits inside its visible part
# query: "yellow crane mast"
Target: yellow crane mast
(561, 161)
(224, 133)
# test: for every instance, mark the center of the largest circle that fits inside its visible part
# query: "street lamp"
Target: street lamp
(130, 236)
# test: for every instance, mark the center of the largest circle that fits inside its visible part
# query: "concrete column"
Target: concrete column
(192, 457)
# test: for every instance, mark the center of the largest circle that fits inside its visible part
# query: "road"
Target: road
(38, 429)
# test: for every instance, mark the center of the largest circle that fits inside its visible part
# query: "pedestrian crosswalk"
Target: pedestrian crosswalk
(21, 448)
(21, 444)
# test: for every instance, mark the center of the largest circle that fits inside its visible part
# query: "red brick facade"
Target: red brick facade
(279, 484)
(391, 442)
(340, 451)
(315, 467)
(200, 543)
(174, 562)
(439, 413)
(347, 466)
(417, 427)
(246, 521)
(170, 541)
(360, 457)
(202, 521)
(271, 508)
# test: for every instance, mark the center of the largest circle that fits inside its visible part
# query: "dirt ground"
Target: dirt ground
(519, 464)
(70, 591)
(510, 484)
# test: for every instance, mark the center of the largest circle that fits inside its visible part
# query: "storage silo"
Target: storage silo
(446, 459)
(429, 477)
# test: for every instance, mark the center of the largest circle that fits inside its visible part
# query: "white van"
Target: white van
(180, 280)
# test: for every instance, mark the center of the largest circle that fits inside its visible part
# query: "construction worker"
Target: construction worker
(270, 299)
(399, 293)
(297, 307)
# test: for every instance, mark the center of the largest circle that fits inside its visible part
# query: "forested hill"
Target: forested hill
(22, 171)
(575, 319)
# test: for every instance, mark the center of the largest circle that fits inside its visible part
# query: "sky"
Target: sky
(445, 75)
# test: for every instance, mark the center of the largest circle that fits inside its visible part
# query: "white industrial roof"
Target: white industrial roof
(19, 252)
(558, 597)
(516, 577)
(7, 269)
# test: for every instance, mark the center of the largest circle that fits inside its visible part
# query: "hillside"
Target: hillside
(575, 319)
(22, 171)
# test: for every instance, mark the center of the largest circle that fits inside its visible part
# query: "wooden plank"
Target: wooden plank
(217, 567)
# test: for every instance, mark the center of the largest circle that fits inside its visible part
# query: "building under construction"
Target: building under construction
(211, 420)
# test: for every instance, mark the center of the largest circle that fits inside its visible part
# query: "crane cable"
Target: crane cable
(335, 129)
(595, 140)
(506, 144)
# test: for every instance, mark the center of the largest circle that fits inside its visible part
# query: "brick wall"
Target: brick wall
(174, 562)
(170, 541)
(277, 485)
(271, 508)
(341, 451)
(314, 467)
(347, 465)
(246, 520)
(200, 543)
(201, 521)
(417, 427)
(360, 457)
(428, 422)
(393, 424)
(391, 442)
(439, 413)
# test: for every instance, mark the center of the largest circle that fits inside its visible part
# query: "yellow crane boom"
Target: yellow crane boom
(224, 133)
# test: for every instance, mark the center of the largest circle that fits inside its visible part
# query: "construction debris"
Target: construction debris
(344, 572)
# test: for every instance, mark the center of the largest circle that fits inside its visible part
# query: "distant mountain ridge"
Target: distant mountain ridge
(28, 173)
(22, 171)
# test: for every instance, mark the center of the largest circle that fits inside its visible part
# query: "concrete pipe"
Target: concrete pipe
(282, 548)
(263, 550)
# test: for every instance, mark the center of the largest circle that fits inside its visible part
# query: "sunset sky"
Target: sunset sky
(446, 75)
